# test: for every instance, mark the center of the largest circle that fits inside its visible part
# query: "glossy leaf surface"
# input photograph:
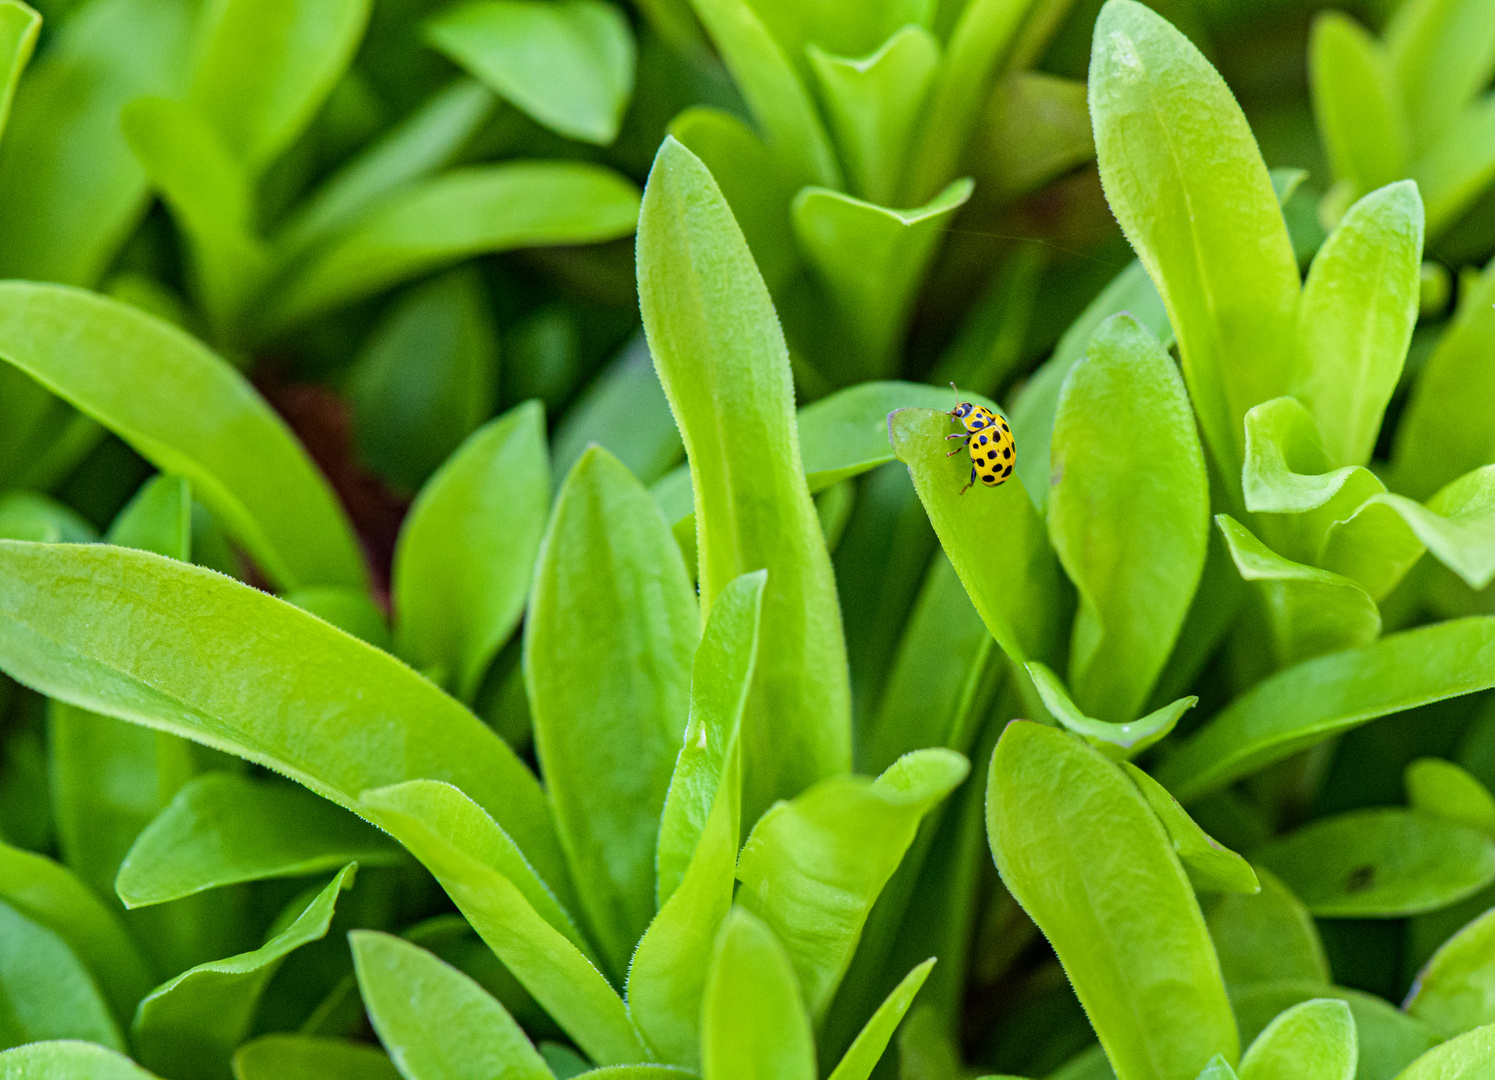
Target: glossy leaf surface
(753, 1020)
(1311, 1041)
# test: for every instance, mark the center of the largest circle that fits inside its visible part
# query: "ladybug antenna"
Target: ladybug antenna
(953, 387)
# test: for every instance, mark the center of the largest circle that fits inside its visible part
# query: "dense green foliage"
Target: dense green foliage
(485, 590)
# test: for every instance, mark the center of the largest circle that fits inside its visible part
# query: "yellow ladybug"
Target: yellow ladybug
(989, 439)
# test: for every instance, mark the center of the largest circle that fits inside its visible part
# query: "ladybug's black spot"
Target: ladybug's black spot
(992, 456)
(1006, 451)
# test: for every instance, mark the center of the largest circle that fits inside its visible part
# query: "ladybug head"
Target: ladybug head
(961, 411)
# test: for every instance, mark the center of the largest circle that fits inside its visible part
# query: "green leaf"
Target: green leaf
(351, 610)
(1454, 990)
(1035, 129)
(1267, 936)
(1100, 878)
(1188, 185)
(1381, 863)
(435, 1021)
(1373, 546)
(466, 552)
(1217, 1069)
(872, 261)
(71, 190)
(1319, 698)
(429, 140)
(68, 1060)
(1457, 524)
(157, 518)
(48, 894)
(425, 379)
(1128, 514)
(188, 412)
(724, 365)
(865, 1052)
(1446, 430)
(994, 538)
(1357, 102)
(625, 411)
(1310, 611)
(1355, 321)
(212, 198)
(1033, 414)
(1311, 1041)
(19, 26)
(813, 867)
(25, 515)
(264, 70)
(698, 832)
(981, 38)
(1444, 790)
(1443, 52)
(1118, 742)
(1387, 1039)
(775, 94)
(753, 1019)
(510, 907)
(568, 63)
(189, 1027)
(305, 1057)
(465, 212)
(1211, 866)
(611, 587)
(873, 105)
(221, 828)
(1457, 169)
(1469, 1057)
(45, 991)
(302, 720)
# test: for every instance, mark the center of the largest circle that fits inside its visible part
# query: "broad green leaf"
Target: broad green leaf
(1355, 321)
(567, 63)
(813, 867)
(1443, 53)
(1444, 790)
(305, 1057)
(1468, 1057)
(1036, 128)
(189, 1027)
(1458, 168)
(610, 588)
(871, 261)
(1311, 1041)
(873, 104)
(435, 1021)
(25, 515)
(1128, 514)
(221, 828)
(1447, 429)
(1319, 698)
(427, 141)
(1099, 877)
(45, 991)
(190, 413)
(1358, 104)
(301, 720)
(867, 1049)
(753, 1020)
(625, 411)
(466, 552)
(1455, 990)
(1287, 469)
(425, 379)
(1033, 414)
(1457, 524)
(775, 93)
(1266, 937)
(1310, 611)
(1185, 180)
(978, 43)
(71, 190)
(157, 518)
(1381, 863)
(263, 69)
(993, 537)
(1373, 546)
(18, 29)
(351, 610)
(698, 832)
(1211, 866)
(1117, 741)
(68, 1060)
(489, 880)
(829, 24)
(725, 368)
(465, 212)
(48, 894)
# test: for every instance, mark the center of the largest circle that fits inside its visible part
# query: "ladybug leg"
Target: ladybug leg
(969, 482)
(965, 445)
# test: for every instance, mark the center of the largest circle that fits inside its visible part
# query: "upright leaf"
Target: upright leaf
(1266, 937)
(1099, 877)
(1311, 1041)
(753, 1020)
(866, 1050)
(625, 411)
(1443, 52)
(1357, 102)
(723, 362)
(1455, 990)
(1128, 514)
(45, 991)
(466, 552)
(18, 29)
